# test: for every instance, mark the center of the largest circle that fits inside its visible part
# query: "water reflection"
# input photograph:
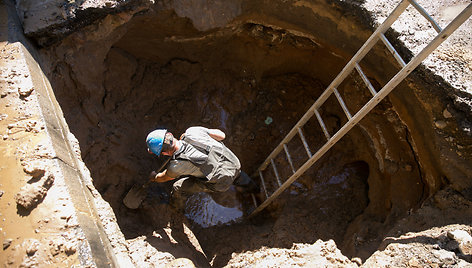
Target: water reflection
(209, 210)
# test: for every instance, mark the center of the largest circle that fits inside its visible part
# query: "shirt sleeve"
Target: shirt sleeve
(197, 132)
(200, 135)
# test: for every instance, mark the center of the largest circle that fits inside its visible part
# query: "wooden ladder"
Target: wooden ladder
(352, 120)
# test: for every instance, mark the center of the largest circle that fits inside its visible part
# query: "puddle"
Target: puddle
(209, 210)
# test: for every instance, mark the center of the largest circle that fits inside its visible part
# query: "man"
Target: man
(200, 162)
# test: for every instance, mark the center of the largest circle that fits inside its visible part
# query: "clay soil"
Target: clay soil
(367, 202)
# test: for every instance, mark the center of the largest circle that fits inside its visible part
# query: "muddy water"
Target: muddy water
(208, 210)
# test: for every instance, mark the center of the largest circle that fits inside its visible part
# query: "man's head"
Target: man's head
(160, 141)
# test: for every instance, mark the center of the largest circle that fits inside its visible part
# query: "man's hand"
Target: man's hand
(159, 177)
(152, 176)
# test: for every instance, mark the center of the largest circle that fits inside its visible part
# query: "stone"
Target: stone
(25, 91)
(32, 194)
(7, 243)
(459, 236)
(440, 124)
(463, 239)
(414, 263)
(444, 256)
(69, 248)
(32, 247)
(357, 260)
(180, 262)
(34, 169)
(447, 114)
(55, 247)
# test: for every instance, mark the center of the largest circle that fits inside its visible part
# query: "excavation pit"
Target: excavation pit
(254, 78)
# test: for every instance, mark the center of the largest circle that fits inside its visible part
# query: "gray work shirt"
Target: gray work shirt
(178, 167)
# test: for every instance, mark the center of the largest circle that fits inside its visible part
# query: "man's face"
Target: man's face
(169, 142)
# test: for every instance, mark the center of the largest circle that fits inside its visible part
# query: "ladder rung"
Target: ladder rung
(263, 184)
(320, 120)
(289, 158)
(343, 105)
(366, 80)
(305, 144)
(254, 200)
(276, 172)
(392, 50)
(426, 15)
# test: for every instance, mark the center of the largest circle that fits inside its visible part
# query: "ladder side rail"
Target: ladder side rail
(426, 15)
(405, 71)
(341, 76)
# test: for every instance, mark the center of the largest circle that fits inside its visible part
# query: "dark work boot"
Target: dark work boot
(245, 184)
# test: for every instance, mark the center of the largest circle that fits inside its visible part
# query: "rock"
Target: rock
(460, 236)
(463, 239)
(34, 169)
(32, 194)
(440, 124)
(7, 243)
(1, 193)
(32, 246)
(413, 262)
(444, 256)
(180, 262)
(55, 246)
(447, 114)
(25, 91)
(357, 260)
(69, 248)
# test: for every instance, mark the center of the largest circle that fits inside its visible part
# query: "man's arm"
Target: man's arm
(217, 134)
(160, 177)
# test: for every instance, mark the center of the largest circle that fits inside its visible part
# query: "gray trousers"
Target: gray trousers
(184, 187)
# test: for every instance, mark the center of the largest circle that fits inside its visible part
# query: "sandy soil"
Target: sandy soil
(38, 223)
